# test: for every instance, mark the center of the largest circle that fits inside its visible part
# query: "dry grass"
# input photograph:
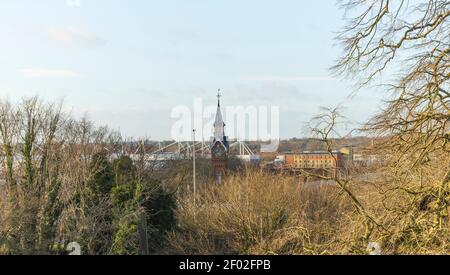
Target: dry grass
(258, 213)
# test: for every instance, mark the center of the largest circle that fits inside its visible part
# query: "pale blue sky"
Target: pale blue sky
(128, 63)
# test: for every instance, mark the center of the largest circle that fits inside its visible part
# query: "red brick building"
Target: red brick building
(315, 160)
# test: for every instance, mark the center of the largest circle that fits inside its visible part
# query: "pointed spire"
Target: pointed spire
(219, 125)
(218, 98)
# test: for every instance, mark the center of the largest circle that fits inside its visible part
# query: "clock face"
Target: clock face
(217, 151)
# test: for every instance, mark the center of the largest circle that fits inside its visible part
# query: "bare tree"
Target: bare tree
(9, 127)
(409, 40)
(324, 127)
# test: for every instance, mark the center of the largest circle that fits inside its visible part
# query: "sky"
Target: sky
(128, 64)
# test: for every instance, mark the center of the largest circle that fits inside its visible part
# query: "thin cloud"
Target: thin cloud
(75, 37)
(46, 73)
(289, 78)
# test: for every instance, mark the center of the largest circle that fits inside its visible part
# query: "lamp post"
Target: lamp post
(193, 161)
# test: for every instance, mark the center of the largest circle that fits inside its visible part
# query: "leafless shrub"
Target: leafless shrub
(258, 213)
(411, 40)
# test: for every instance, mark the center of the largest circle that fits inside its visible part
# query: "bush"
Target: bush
(258, 213)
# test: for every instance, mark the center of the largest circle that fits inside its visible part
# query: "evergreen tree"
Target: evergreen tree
(124, 170)
(159, 207)
(97, 202)
(125, 200)
(102, 177)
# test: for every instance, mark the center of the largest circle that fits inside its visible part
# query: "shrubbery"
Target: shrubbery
(69, 187)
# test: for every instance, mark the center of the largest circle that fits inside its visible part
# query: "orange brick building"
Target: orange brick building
(316, 160)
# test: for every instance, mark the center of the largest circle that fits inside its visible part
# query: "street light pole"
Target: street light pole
(193, 161)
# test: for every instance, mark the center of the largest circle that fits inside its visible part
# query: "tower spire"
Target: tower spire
(219, 131)
(220, 146)
(218, 98)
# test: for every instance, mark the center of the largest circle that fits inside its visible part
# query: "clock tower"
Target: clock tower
(219, 147)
